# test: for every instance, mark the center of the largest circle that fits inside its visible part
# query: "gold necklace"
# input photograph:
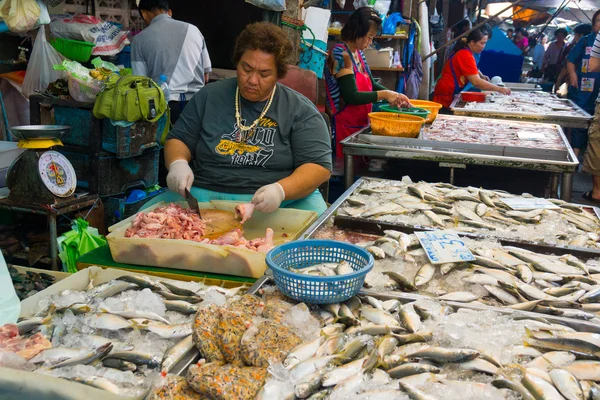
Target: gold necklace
(238, 115)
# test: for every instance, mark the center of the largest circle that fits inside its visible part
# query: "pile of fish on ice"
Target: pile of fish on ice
(471, 210)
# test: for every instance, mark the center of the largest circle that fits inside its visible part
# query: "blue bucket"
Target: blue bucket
(318, 289)
(312, 59)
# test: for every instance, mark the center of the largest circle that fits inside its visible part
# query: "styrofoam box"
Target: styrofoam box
(8, 153)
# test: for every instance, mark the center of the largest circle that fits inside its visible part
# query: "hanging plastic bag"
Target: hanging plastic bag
(40, 72)
(391, 22)
(437, 22)
(341, 3)
(273, 5)
(44, 18)
(75, 243)
(360, 3)
(20, 15)
(10, 305)
(382, 7)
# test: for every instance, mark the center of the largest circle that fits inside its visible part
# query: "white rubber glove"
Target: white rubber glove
(180, 176)
(268, 198)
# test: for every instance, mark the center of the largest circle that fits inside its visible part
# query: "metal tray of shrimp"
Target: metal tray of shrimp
(370, 226)
(577, 119)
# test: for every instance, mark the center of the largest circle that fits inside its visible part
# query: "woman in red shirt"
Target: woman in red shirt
(462, 68)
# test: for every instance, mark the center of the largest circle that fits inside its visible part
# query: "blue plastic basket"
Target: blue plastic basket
(318, 289)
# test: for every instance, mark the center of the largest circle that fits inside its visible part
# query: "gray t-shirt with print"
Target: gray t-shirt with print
(291, 133)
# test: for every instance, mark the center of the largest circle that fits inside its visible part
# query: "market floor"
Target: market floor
(582, 183)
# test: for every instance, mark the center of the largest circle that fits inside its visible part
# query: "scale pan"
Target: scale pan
(28, 132)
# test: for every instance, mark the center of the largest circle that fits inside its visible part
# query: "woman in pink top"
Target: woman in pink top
(520, 39)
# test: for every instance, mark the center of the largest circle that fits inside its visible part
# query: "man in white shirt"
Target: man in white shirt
(591, 162)
(172, 48)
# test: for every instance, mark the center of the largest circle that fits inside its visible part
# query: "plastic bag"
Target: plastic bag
(382, 7)
(44, 18)
(390, 23)
(20, 15)
(39, 70)
(108, 38)
(360, 3)
(274, 5)
(75, 243)
(437, 22)
(10, 305)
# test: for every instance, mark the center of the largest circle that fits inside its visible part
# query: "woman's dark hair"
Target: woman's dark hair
(510, 30)
(461, 27)
(150, 5)
(521, 31)
(583, 29)
(267, 37)
(475, 36)
(562, 31)
(487, 28)
(359, 24)
(596, 15)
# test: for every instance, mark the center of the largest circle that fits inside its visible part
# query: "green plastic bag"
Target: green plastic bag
(75, 243)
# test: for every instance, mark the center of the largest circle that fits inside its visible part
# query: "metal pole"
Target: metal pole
(53, 238)
(566, 187)
(554, 184)
(469, 31)
(348, 170)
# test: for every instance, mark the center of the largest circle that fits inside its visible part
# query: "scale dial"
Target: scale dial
(57, 173)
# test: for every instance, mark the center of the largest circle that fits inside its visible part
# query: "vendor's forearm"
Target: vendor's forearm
(481, 84)
(175, 150)
(304, 180)
(350, 93)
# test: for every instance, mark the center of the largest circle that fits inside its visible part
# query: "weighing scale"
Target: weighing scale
(40, 175)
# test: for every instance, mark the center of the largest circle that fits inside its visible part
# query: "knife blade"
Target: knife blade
(192, 202)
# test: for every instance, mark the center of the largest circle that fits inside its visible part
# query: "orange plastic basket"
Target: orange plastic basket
(430, 106)
(393, 124)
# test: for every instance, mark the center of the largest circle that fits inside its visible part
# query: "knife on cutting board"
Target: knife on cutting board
(192, 202)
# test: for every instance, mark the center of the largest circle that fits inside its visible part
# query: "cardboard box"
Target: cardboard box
(383, 58)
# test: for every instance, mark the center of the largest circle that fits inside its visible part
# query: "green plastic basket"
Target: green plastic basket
(73, 49)
(417, 112)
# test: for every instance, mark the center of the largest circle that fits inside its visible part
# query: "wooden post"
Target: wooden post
(293, 10)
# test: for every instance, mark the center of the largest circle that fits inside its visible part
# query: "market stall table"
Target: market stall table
(66, 207)
(566, 113)
(459, 155)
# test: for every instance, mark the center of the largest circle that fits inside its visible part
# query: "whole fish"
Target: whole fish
(386, 346)
(303, 352)
(308, 385)
(566, 384)
(167, 331)
(462, 297)
(119, 364)
(115, 288)
(376, 252)
(504, 383)
(425, 274)
(175, 352)
(479, 365)
(99, 383)
(540, 388)
(401, 281)
(414, 393)
(131, 314)
(180, 306)
(441, 354)
(178, 290)
(142, 282)
(56, 354)
(85, 358)
(136, 357)
(410, 319)
(339, 374)
(172, 296)
(109, 322)
(379, 317)
(309, 366)
(409, 369)
(331, 346)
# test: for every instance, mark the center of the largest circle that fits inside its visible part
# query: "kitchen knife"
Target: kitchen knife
(192, 202)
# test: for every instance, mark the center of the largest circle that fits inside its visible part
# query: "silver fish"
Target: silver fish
(425, 274)
(115, 288)
(85, 358)
(566, 384)
(175, 352)
(135, 357)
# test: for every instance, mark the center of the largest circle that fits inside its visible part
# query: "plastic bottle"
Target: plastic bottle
(397, 63)
(164, 86)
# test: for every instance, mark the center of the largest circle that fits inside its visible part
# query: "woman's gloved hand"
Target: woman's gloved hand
(180, 176)
(268, 198)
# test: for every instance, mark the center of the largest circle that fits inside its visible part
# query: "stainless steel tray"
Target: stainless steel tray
(372, 226)
(27, 132)
(581, 120)
(522, 87)
(579, 325)
(464, 153)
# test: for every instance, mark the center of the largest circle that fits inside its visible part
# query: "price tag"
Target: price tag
(537, 136)
(444, 247)
(520, 203)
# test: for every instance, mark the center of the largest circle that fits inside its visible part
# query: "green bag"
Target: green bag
(130, 98)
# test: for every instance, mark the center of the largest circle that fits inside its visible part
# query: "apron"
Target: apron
(353, 117)
(457, 87)
(589, 82)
